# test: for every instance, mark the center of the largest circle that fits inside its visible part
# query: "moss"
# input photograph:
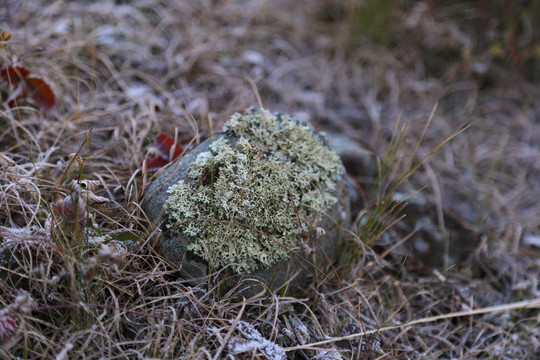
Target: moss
(239, 203)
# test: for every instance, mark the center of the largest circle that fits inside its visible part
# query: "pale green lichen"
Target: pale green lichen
(240, 204)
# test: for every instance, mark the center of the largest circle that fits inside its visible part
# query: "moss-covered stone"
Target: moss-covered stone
(245, 204)
(237, 201)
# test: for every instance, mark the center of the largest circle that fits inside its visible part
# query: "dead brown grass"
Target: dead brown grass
(123, 73)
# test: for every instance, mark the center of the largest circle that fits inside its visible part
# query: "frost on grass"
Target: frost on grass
(241, 203)
(332, 354)
(253, 340)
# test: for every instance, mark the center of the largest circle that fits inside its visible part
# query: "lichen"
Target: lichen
(241, 203)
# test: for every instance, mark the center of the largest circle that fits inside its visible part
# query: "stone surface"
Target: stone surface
(174, 243)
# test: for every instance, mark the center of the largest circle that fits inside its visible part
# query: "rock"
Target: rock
(236, 202)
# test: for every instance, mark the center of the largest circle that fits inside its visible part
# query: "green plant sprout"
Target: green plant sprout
(394, 170)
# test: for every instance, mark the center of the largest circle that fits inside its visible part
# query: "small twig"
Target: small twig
(534, 303)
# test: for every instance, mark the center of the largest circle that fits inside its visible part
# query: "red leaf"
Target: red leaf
(7, 327)
(14, 74)
(166, 147)
(155, 163)
(164, 143)
(41, 93)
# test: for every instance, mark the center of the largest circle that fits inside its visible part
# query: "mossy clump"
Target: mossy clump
(243, 200)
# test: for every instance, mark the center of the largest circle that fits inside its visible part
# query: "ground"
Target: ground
(87, 282)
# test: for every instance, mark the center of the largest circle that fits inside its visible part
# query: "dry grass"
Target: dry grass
(124, 73)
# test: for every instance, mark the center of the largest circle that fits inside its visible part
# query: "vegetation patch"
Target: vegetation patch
(244, 201)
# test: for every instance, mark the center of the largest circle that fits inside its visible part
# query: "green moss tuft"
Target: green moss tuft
(238, 204)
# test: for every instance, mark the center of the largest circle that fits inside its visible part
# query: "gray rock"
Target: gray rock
(244, 236)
